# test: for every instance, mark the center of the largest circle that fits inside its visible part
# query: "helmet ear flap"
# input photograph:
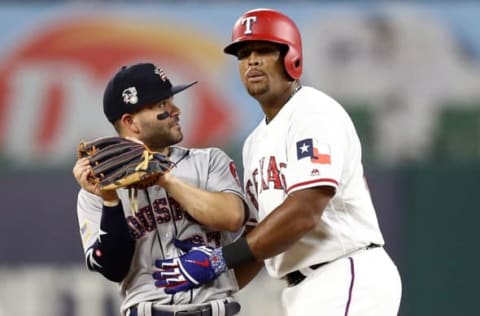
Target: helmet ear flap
(293, 64)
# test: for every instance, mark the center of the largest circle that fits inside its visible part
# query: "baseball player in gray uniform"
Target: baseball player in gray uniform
(303, 173)
(200, 201)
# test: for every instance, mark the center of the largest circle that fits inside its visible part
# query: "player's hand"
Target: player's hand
(201, 265)
(166, 180)
(81, 171)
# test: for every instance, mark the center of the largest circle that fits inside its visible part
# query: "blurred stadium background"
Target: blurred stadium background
(408, 73)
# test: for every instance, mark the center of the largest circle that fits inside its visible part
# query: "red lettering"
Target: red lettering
(255, 179)
(262, 178)
(283, 166)
(273, 174)
(250, 195)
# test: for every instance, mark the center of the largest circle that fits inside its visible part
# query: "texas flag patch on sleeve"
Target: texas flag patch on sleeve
(318, 154)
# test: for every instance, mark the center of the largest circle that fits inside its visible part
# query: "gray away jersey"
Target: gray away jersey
(160, 219)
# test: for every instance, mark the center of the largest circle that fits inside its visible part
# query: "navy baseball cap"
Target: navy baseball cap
(136, 86)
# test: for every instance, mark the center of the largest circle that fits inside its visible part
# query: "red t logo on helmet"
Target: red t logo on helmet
(248, 24)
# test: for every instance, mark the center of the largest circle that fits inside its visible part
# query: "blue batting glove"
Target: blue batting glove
(201, 265)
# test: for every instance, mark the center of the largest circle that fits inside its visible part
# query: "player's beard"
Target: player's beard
(257, 89)
(160, 137)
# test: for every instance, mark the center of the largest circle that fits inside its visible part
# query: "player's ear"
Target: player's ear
(128, 124)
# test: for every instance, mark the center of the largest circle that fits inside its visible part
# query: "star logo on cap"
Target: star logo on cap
(161, 73)
(129, 95)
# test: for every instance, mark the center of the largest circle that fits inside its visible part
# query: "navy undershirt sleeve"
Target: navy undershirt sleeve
(112, 253)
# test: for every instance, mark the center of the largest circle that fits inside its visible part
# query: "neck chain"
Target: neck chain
(298, 86)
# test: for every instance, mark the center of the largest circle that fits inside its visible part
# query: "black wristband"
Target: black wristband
(238, 253)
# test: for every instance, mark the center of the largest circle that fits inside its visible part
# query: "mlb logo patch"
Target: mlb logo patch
(317, 154)
(129, 95)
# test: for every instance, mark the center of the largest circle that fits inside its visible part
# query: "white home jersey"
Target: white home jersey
(159, 219)
(311, 142)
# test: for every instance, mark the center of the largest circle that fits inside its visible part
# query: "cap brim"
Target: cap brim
(179, 88)
(232, 48)
(165, 95)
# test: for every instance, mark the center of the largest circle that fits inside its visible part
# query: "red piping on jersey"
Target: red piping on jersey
(310, 182)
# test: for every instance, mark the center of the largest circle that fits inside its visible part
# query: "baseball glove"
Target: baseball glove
(119, 162)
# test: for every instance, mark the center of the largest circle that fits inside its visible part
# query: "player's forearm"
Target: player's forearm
(112, 252)
(247, 272)
(218, 210)
(299, 213)
(278, 234)
(296, 216)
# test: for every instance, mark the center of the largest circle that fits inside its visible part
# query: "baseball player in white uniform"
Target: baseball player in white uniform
(303, 173)
(199, 202)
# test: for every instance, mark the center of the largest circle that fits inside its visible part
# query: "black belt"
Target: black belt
(295, 277)
(231, 308)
